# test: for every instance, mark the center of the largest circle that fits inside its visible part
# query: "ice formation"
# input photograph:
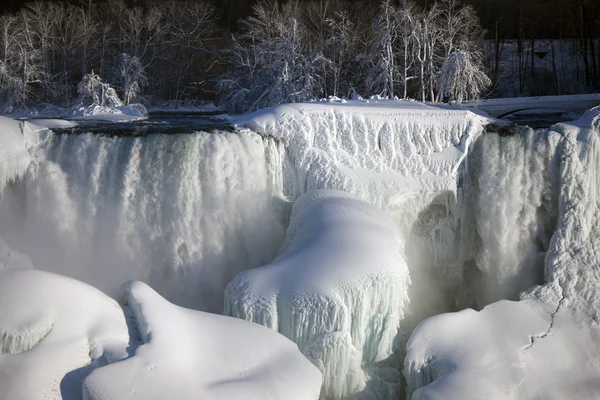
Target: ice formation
(337, 290)
(53, 331)
(14, 157)
(376, 149)
(545, 345)
(189, 354)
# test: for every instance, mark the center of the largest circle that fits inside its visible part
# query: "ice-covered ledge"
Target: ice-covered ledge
(338, 290)
(376, 149)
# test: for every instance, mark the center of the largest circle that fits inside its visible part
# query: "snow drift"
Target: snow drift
(53, 331)
(337, 290)
(188, 354)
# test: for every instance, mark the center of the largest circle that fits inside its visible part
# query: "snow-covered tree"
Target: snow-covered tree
(132, 78)
(268, 65)
(92, 91)
(384, 74)
(462, 77)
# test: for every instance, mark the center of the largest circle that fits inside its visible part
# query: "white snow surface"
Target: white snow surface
(14, 157)
(376, 149)
(52, 123)
(53, 330)
(188, 354)
(544, 346)
(502, 352)
(337, 290)
(106, 113)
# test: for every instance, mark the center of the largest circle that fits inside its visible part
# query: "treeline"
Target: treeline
(167, 51)
(288, 50)
(292, 53)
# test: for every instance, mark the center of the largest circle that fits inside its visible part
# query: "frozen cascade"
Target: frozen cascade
(178, 211)
(544, 346)
(337, 291)
(508, 208)
(14, 156)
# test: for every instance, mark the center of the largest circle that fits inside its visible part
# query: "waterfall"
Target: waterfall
(184, 213)
(508, 210)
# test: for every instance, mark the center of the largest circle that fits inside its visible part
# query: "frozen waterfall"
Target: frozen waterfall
(507, 213)
(181, 212)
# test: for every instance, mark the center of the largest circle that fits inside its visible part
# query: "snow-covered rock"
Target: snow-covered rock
(337, 290)
(14, 157)
(53, 331)
(189, 354)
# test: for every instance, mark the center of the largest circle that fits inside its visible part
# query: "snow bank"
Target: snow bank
(546, 345)
(14, 157)
(502, 352)
(376, 149)
(337, 290)
(53, 330)
(189, 354)
(105, 113)
(52, 123)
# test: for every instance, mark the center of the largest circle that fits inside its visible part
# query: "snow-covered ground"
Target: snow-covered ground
(100, 113)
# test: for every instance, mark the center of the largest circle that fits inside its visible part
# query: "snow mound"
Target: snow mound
(190, 354)
(14, 157)
(337, 291)
(501, 352)
(376, 149)
(53, 330)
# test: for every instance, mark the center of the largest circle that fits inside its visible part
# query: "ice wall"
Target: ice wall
(14, 157)
(181, 212)
(338, 291)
